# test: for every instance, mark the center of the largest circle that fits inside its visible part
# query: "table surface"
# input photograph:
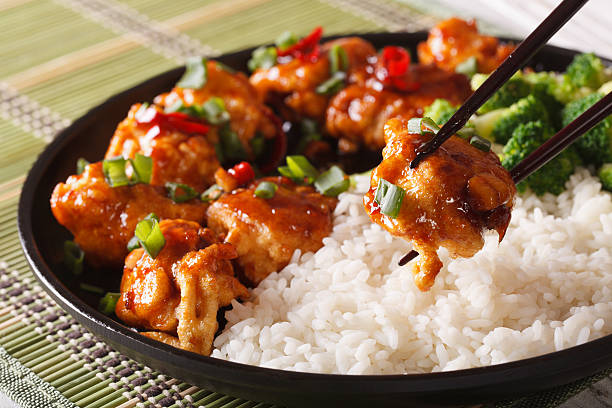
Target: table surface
(62, 57)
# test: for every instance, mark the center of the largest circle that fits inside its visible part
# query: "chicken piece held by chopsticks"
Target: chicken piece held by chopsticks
(449, 200)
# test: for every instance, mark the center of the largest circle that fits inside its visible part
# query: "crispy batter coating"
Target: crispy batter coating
(102, 218)
(291, 86)
(248, 114)
(266, 232)
(357, 114)
(452, 197)
(453, 41)
(177, 157)
(178, 293)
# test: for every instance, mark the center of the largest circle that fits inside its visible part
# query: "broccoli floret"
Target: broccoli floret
(545, 87)
(514, 89)
(528, 109)
(605, 176)
(595, 146)
(440, 111)
(586, 70)
(551, 178)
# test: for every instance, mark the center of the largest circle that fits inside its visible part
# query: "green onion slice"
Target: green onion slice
(389, 197)
(73, 257)
(231, 146)
(108, 303)
(177, 106)
(133, 244)
(196, 74)
(81, 164)
(422, 126)
(212, 193)
(179, 193)
(286, 40)
(114, 172)
(266, 189)
(143, 167)
(333, 85)
(262, 58)
(468, 67)
(214, 111)
(149, 235)
(338, 60)
(91, 288)
(480, 143)
(466, 133)
(332, 182)
(301, 168)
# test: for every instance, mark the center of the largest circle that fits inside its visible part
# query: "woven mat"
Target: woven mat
(59, 59)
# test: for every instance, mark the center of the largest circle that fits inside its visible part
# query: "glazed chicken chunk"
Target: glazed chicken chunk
(451, 198)
(357, 114)
(454, 41)
(103, 218)
(178, 294)
(266, 232)
(291, 86)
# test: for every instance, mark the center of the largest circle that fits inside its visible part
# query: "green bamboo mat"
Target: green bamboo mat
(59, 59)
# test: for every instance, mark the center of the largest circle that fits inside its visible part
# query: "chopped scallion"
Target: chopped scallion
(262, 58)
(332, 182)
(422, 126)
(468, 67)
(266, 189)
(230, 144)
(196, 74)
(73, 257)
(389, 198)
(286, 40)
(333, 85)
(108, 303)
(133, 244)
(177, 106)
(214, 111)
(466, 133)
(91, 288)
(301, 168)
(480, 143)
(338, 60)
(81, 164)
(212, 193)
(114, 172)
(143, 168)
(179, 193)
(150, 236)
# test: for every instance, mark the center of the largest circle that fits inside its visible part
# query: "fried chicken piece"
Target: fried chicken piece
(357, 114)
(248, 114)
(453, 41)
(266, 232)
(292, 86)
(177, 157)
(179, 292)
(103, 218)
(452, 197)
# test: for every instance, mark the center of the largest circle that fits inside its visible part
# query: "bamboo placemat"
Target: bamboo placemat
(59, 59)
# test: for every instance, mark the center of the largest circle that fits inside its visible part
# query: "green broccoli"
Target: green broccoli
(545, 87)
(440, 111)
(595, 146)
(551, 178)
(586, 70)
(605, 176)
(499, 124)
(514, 89)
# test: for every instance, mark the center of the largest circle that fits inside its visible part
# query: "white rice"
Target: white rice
(350, 309)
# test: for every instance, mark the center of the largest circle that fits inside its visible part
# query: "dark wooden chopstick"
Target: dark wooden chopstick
(563, 139)
(552, 147)
(525, 50)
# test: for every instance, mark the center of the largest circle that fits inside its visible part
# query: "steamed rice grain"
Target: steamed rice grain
(350, 309)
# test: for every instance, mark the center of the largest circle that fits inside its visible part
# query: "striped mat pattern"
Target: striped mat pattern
(59, 59)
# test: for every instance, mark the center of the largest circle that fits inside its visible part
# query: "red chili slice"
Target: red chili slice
(175, 120)
(307, 49)
(242, 172)
(396, 60)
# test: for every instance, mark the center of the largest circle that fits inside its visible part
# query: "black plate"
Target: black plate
(41, 237)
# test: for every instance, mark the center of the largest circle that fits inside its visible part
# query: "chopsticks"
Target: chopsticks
(525, 50)
(551, 148)
(562, 139)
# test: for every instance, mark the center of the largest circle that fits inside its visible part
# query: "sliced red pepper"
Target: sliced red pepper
(394, 71)
(307, 49)
(242, 172)
(175, 120)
